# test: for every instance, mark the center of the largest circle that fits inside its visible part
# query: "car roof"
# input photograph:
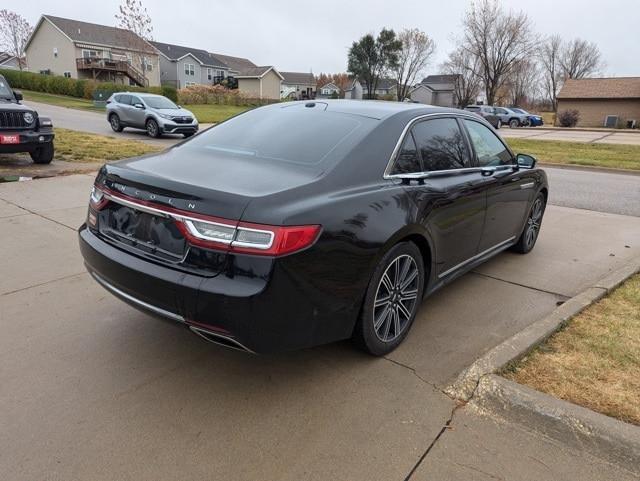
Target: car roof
(376, 109)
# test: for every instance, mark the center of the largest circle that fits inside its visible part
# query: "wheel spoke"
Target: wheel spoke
(381, 301)
(410, 278)
(403, 272)
(396, 322)
(387, 324)
(405, 312)
(387, 283)
(381, 318)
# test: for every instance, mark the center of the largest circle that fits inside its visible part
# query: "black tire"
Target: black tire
(385, 318)
(115, 123)
(153, 130)
(186, 135)
(43, 154)
(498, 124)
(514, 123)
(531, 230)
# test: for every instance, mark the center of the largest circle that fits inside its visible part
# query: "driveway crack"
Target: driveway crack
(36, 214)
(562, 296)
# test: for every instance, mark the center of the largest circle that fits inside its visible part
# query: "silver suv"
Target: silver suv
(154, 113)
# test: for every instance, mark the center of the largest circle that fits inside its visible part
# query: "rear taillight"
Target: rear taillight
(97, 200)
(250, 238)
(222, 234)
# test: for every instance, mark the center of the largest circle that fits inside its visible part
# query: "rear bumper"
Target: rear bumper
(30, 140)
(255, 305)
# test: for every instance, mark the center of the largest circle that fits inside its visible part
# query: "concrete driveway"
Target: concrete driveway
(93, 389)
(588, 136)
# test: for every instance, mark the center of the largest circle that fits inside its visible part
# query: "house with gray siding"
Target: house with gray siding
(439, 90)
(83, 50)
(358, 89)
(298, 85)
(183, 66)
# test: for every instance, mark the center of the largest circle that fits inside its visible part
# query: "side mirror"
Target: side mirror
(18, 95)
(139, 106)
(525, 160)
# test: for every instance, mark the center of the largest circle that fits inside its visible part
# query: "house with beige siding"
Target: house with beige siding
(611, 102)
(83, 50)
(260, 82)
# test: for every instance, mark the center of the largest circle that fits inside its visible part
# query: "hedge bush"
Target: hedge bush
(56, 84)
(568, 118)
(217, 95)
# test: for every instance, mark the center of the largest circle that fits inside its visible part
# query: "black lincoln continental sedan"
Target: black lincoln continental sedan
(303, 223)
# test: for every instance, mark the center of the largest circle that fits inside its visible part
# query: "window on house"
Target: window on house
(86, 53)
(67, 74)
(189, 84)
(209, 74)
(189, 69)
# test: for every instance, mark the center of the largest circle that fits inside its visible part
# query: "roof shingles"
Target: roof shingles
(100, 35)
(601, 88)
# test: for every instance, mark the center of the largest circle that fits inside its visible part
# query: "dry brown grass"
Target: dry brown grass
(595, 360)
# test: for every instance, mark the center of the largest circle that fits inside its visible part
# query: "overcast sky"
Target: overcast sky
(304, 36)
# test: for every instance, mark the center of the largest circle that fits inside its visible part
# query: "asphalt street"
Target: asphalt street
(93, 389)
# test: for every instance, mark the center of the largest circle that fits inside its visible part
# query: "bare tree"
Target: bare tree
(499, 39)
(14, 33)
(523, 82)
(469, 83)
(580, 59)
(133, 16)
(549, 56)
(415, 54)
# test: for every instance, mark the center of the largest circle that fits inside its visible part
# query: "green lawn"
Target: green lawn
(209, 113)
(75, 146)
(578, 153)
(60, 100)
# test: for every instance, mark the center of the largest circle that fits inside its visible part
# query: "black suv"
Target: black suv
(21, 130)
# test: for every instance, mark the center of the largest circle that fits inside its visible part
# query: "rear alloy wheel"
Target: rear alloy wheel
(43, 154)
(529, 236)
(514, 123)
(152, 128)
(114, 121)
(392, 300)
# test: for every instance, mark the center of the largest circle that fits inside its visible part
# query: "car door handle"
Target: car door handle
(487, 171)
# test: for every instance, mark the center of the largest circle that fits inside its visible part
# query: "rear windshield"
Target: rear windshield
(159, 103)
(302, 136)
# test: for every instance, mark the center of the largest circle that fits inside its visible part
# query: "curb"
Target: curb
(522, 342)
(607, 438)
(580, 428)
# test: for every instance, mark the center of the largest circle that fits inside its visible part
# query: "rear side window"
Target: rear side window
(407, 161)
(489, 148)
(123, 99)
(441, 145)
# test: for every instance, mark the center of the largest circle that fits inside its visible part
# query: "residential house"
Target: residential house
(328, 90)
(298, 85)
(260, 82)
(184, 66)
(235, 64)
(75, 49)
(9, 61)
(602, 102)
(358, 89)
(437, 90)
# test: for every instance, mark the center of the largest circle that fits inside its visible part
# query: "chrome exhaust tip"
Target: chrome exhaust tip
(219, 339)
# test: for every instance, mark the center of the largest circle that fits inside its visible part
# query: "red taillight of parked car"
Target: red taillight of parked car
(223, 234)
